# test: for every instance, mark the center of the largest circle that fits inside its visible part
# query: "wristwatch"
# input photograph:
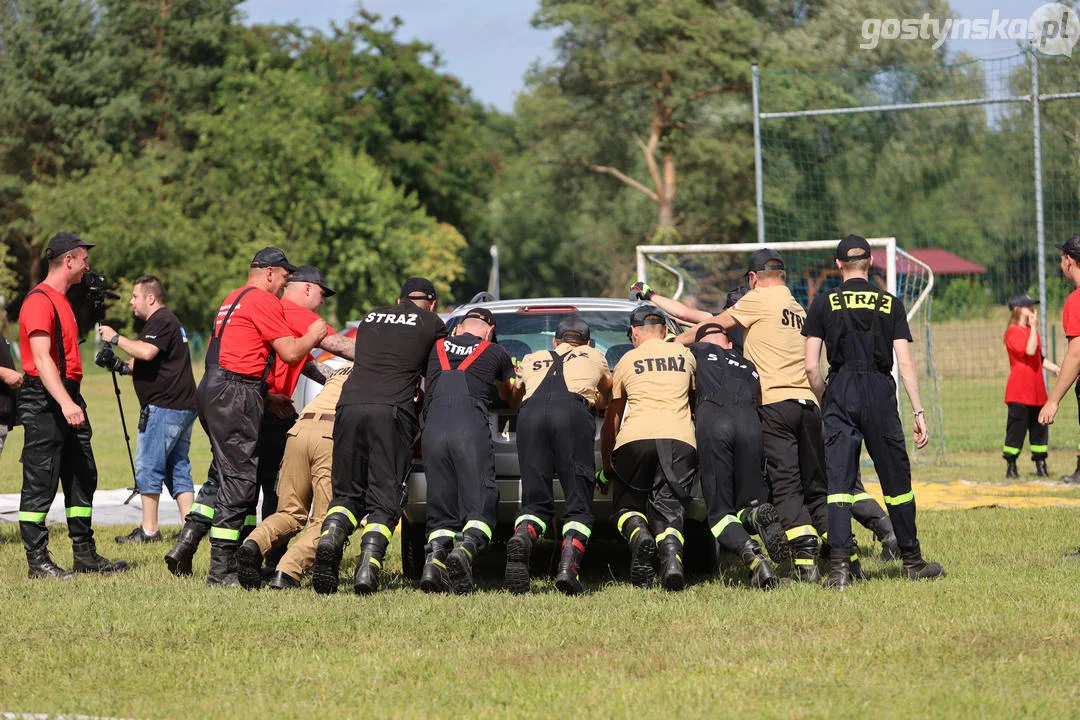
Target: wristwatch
(116, 339)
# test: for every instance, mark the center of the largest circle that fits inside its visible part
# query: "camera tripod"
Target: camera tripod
(127, 440)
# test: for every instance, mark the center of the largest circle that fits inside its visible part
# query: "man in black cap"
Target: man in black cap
(561, 388)
(250, 332)
(375, 427)
(691, 316)
(1070, 325)
(56, 440)
(861, 327)
(459, 458)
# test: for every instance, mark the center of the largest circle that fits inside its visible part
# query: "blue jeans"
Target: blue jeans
(161, 456)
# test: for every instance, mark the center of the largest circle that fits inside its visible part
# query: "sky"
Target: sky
(490, 44)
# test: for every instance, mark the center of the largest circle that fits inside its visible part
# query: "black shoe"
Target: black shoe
(567, 579)
(518, 551)
(1073, 554)
(804, 553)
(373, 547)
(223, 567)
(762, 575)
(138, 535)
(1040, 469)
(915, 568)
(840, 576)
(42, 566)
(459, 566)
(283, 581)
(1075, 477)
(435, 578)
(248, 565)
(763, 520)
(642, 551)
(1010, 469)
(883, 531)
(325, 575)
(179, 558)
(669, 552)
(87, 559)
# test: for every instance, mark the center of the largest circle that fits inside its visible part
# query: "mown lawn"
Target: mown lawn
(995, 639)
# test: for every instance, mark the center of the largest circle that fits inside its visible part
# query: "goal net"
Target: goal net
(702, 275)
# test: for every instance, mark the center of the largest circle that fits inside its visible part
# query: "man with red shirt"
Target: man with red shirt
(1070, 323)
(250, 332)
(56, 444)
(1025, 391)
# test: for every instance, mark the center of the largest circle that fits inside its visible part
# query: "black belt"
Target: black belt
(33, 381)
(584, 401)
(237, 377)
(318, 416)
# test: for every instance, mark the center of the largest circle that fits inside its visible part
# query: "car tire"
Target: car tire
(412, 550)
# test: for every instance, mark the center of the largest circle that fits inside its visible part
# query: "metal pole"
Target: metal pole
(1040, 225)
(493, 279)
(758, 179)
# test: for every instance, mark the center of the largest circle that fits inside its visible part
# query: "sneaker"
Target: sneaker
(138, 535)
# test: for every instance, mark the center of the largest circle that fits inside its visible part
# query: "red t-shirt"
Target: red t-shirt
(1025, 384)
(255, 323)
(37, 314)
(1070, 315)
(283, 377)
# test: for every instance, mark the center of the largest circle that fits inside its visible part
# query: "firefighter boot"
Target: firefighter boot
(283, 581)
(1040, 468)
(1010, 467)
(223, 563)
(762, 520)
(459, 565)
(642, 550)
(804, 552)
(669, 550)
(42, 566)
(840, 575)
(915, 568)
(435, 578)
(518, 551)
(762, 576)
(883, 531)
(87, 559)
(566, 578)
(1075, 477)
(372, 549)
(179, 558)
(249, 565)
(332, 542)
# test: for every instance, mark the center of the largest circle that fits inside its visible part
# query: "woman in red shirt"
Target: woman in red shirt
(1025, 391)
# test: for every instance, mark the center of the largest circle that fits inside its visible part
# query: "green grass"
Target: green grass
(994, 639)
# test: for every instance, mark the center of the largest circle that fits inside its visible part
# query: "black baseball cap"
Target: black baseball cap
(647, 314)
(417, 286)
(272, 257)
(765, 259)
(1021, 300)
(311, 274)
(1071, 247)
(708, 329)
(573, 328)
(64, 242)
(735, 295)
(479, 313)
(853, 247)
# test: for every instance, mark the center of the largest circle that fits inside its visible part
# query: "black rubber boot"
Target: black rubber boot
(804, 553)
(1040, 468)
(179, 558)
(435, 578)
(1010, 468)
(372, 550)
(87, 559)
(566, 577)
(283, 581)
(518, 551)
(915, 568)
(223, 563)
(669, 550)
(883, 531)
(762, 576)
(642, 551)
(1075, 477)
(840, 575)
(459, 566)
(42, 566)
(762, 520)
(332, 542)
(248, 565)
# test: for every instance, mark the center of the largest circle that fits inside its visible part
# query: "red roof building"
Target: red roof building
(942, 262)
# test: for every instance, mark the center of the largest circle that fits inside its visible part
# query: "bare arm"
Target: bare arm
(1033, 341)
(812, 361)
(679, 310)
(40, 344)
(1051, 366)
(1066, 375)
(317, 371)
(725, 320)
(11, 378)
(292, 350)
(906, 365)
(339, 345)
(508, 393)
(137, 349)
(603, 390)
(612, 423)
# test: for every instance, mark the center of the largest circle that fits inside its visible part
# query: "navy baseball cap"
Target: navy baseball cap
(1071, 247)
(853, 247)
(573, 328)
(64, 242)
(311, 274)
(765, 259)
(417, 286)
(1021, 300)
(647, 314)
(272, 257)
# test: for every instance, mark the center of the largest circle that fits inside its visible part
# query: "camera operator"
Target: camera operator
(161, 373)
(56, 443)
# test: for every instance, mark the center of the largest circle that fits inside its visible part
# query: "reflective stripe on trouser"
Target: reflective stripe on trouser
(54, 453)
(730, 457)
(852, 415)
(1023, 421)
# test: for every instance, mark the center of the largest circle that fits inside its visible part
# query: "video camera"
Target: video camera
(97, 293)
(107, 359)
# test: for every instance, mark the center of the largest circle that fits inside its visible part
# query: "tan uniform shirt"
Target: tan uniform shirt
(583, 369)
(655, 378)
(327, 399)
(774, 343)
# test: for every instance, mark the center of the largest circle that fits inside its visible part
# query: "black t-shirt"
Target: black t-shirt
(873, 313)
(494, 364)
(392, 347)
(166, 381)
(725, 376)
(7, 393)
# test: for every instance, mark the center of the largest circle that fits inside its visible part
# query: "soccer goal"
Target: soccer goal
(702, 275)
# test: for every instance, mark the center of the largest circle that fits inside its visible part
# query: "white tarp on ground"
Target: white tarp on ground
(109, 509)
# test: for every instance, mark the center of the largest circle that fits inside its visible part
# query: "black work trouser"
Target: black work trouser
(555, 435)
(372, 456)
(459, 463)
(795, 462)
(273, 432)
(1023, 421)
(54, 453)
(230, 410)
(731, 461)
(860, 406)
(642, 486)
